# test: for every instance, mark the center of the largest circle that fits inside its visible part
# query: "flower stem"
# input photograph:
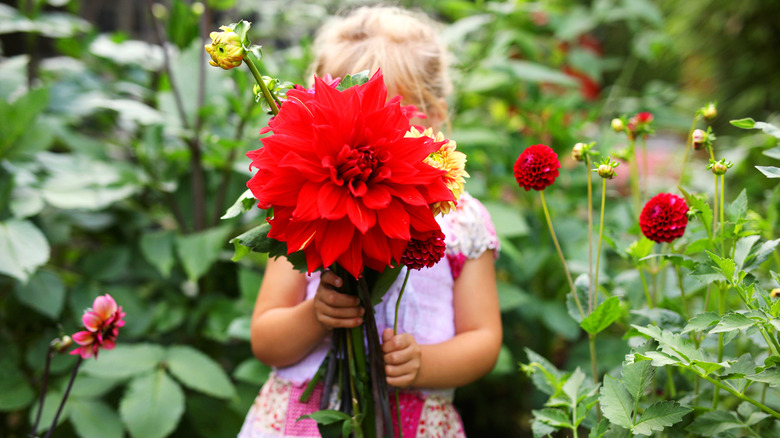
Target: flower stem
(593, 284)
(644, 287)
(64, 397)
(740, 396)
(722, 217)
(721, 311)
(688, 146)
(395, 332)
(44, 385)
(259, 78)
(560, 254)
(601, 233)
(634, 176)
(682, 292)
(593, 362)
(645, 171)
(352, 372)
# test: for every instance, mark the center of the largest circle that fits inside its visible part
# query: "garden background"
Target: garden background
(118, 158)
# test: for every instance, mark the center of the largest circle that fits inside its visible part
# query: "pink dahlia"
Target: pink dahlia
(537, 167)
(425, 252)
(640, 124)
(664, 217)
(102, 323)
(345, 183)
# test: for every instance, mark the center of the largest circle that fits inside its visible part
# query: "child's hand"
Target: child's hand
(403, 357)
(334, 309)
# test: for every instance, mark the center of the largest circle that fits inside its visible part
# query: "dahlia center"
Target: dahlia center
(355, 166)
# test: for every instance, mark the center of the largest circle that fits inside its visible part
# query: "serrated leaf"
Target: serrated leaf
(152, 405)
(602, 316)
(95, 419)
(770, 375)
(658, 359)
(199, 372)
(616, 402)
(125, 361)
(769, 171)
(540, 429)
(157, 247)
(244, 203)
(738, 207)
(658, 416)
(768, 128)
(714, 422)
(572, 386)
(762, 254)
(637, 377)
(640, 248)
(553, 417)
(746, 123)
(702, 321)
(547, 381)
(700, 204)
(600, 429)
(724, 265)
(742, 249)
(733, 321)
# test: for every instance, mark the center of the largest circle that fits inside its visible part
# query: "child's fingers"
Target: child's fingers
(397, 342)
(337, 299)
(332, 322)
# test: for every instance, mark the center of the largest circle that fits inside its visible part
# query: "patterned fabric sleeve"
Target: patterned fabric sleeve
(469, 233)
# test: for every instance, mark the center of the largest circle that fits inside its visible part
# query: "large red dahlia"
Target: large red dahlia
(344, 182)
(537, 167)
(664, 217)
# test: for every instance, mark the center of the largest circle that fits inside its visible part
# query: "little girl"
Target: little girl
(449, 321)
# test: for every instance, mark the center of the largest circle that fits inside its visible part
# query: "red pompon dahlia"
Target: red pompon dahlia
(537, 167)
(424, 253)
(345, 183)
(102, 323)
(664, 217)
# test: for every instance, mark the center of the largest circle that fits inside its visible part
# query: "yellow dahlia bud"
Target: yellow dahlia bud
(618, 125)
(225, 49)
(578, 151)
(709, 111)
(775, 292)
(453, 162)
(606, 171)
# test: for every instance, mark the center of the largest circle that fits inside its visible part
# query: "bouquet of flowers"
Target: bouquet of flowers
(352, 187)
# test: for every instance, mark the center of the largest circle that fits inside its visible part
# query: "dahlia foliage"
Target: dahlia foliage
(102, 323)
(664, 217)
(536, 167)
(346, 183)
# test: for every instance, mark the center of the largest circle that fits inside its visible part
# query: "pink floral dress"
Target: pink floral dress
(426, 311)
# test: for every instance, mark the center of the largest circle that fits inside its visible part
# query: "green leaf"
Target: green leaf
(198, 251)
(382, 283)
(23, 112)
(724, 265)
(125, 361)
(157, 247)
(603, 315)
(600, 430)
(507, 220)
(50, 404)
(637, 377)
(356, 79)
(770, 375)
(658, 416)
(773, 153)
(702, 321)
(762, 254)
(733, 321)
(746, 123)
(714, 422)
(641, 248)
(95, 419)
(45, 292)
(244, 203)
(553, 417)
(547, 381)
(768, 128)
(511, 297)
(152, 405)
(572, 386)
(738, 207)
(540, 429)
(769, 171)
(658, 359)
(616, 402)
(533, 72)
(15, 392)
(699, 202)
(742, 249)
(23, 248)
(252, 371)
(199, 372)
(241, 328)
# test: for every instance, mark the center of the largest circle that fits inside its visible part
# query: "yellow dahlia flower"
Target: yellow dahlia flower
(225, 49)
(449, 160)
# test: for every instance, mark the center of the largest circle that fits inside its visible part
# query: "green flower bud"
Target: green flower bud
(578, 151)
(606, 171)
(698, 138)
(709, 111)
(618, 125)
(719, 168)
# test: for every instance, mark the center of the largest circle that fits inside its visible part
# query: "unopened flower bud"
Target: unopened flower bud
(159, 11)
(606, 171)
(225, 49)
(719, 168)
(775, 293)
(697, 138)
(618, 125)
(578, 151)
(709, 111)
(692, 213)
(62, 344)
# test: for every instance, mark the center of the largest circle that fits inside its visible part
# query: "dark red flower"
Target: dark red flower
(664, 217)
(344, 182)
(640, 124)
(424, 253)
(102, 323)
(537, 167)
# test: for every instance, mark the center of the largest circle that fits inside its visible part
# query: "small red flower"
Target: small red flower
(424, 253)
(640, 124)
(664, 217)
(537, 167)
(102, 323)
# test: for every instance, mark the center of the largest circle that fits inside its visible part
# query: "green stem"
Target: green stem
(722, 217)
(594, 369)
(670, 383)
(259, 78)
(351, 363)
(715, 212)
(395, 332)
(645, 171)
(682, 292)
(740, 396)
(560, 254)
(721, 311)
(44, 386)
(65, 396)
(688, 146)
(644, 287)
(634, 176)
(593, 285)
(601, 231)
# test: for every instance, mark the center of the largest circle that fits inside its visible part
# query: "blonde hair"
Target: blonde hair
(403, 44)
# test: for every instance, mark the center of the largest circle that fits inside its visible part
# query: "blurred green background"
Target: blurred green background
(118, 158)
